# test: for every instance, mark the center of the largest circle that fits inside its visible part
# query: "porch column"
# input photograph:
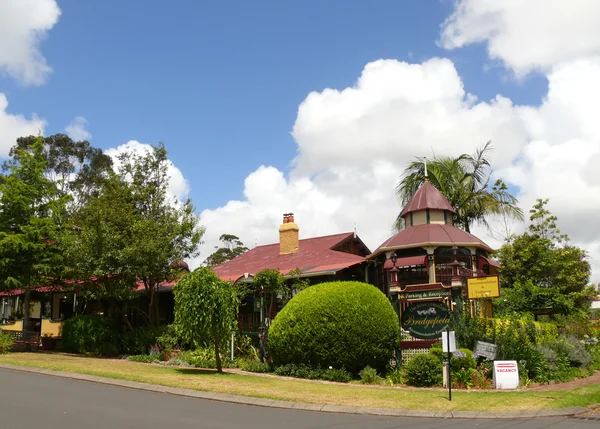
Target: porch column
(473, 252)
(431, 262)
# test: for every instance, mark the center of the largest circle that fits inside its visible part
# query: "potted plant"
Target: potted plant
(48, 342)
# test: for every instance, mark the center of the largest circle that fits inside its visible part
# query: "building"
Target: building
(318, 259)
(429, 249)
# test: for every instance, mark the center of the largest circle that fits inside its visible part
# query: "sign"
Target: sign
(426, 294)
(486, 350)
(506, 374)
(426, 320)
(452, 340)
(483, 287)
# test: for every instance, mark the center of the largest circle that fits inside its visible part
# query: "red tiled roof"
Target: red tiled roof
(427, 197)
(492, 262)
(430, 234)
(313, 256)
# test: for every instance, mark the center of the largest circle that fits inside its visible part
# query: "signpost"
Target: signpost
(426, 320)
(449, 346)
(483, 287)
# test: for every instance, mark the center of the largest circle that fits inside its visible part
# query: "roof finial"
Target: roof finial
(354, 229)
(426, 175)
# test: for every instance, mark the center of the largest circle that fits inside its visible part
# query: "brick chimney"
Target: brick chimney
(288, 235)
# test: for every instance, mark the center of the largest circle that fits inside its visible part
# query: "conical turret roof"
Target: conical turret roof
(427, 197)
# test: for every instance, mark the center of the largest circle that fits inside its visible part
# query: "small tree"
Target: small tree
(205, 310)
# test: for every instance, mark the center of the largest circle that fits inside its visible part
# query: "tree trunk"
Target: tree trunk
(119, 310)
(218, 356)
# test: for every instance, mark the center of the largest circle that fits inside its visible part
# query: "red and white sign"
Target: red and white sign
(506, 374)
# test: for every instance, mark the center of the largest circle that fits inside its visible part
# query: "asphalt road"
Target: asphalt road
(32, 401)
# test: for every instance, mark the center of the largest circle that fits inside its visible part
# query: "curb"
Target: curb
(262, 402)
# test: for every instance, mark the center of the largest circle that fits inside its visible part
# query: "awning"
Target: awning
(492, 262)
(406, 262)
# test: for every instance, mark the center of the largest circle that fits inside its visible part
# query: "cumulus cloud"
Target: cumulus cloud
(352, 146)
(77, 129)
(178, 186)
(15, 126)
(526, 35)
(354, 143)
(23, 24)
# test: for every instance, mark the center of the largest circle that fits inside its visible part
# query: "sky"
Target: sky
(315, 107)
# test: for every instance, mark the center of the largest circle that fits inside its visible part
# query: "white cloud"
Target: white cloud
(526, 35)
(77, 129)
(23, 24)
(14, 126)
(178, 186)
(353, 144)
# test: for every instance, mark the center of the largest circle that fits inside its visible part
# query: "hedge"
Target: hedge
(347, 325)
(94, 335)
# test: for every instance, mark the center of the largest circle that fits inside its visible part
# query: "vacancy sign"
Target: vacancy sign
(506, 374)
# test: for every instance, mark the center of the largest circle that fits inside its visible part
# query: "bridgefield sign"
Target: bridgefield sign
(426, 320)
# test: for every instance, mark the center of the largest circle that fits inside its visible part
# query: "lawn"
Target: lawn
(310, 392)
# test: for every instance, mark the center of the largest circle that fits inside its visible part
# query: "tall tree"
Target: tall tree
(161, 229)
(76, 167)
(466, 182)
(232, 247)
(542, 270)
(205, 310)
(31, 213)
(96, 245)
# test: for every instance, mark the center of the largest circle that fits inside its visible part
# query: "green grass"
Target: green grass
(311, 392)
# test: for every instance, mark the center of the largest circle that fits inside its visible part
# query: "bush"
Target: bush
(369, 376)
(252, 365)
(139, 340)
(338, 324)
(423, 370)
(203, 357)
(462, 359)
(304, 371)
(95, 335)
(394, 377)
(6, 342)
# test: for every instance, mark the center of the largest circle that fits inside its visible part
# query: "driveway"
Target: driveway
(32, 401)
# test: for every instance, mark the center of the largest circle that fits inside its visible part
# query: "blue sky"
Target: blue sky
(220, 82)
(238, 92)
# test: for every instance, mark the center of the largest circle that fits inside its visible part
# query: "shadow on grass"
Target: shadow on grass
(200, 371)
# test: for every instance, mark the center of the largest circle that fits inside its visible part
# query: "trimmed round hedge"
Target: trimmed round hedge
(347, 325)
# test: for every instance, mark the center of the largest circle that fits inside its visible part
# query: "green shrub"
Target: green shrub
(203, 357)
(252, 365)
(573, 349)
(462, 359)
(393, 377)
(369, 376)
(139, 341)
(438, 353)
(423, 370)
(304, 371)
(6, 342)
(333, 374)
(338, 324)
(95, 335)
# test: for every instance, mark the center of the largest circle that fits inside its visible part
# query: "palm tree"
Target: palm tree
(465, 182)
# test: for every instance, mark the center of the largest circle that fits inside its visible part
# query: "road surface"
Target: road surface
(32, 401)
